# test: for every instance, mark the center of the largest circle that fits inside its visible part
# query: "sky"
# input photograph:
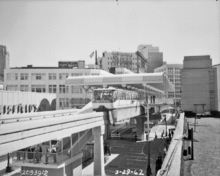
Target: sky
(41, 33)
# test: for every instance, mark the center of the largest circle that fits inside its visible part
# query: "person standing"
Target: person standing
(109, 149)
(158, 164)
(162, 134)
(54, 153)
(155, 135)
(172, 133)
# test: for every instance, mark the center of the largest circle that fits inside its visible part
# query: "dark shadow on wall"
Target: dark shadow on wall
(44, 106)
(53, 105)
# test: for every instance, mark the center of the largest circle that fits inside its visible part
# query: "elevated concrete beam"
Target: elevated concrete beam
(23, 143)
(31, 124)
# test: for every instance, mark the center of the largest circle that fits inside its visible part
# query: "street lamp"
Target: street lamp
(148, 140)
(165, 124)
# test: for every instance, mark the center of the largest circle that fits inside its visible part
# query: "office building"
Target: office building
(51, 80)
(153, 56)
(4, 61)
(118, 60)
(173, 73)
(199, 84)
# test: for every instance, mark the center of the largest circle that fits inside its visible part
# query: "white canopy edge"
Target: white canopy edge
(157, 82)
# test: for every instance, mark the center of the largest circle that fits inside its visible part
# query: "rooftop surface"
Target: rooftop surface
(206, 148)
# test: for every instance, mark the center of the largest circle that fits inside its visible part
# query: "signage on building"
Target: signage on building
(70, 64)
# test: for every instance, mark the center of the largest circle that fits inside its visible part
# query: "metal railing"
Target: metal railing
(41, 157)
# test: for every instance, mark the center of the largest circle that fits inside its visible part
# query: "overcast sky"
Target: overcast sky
(45, 32)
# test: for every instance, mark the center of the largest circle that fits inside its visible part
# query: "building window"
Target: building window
(76, 74)
(64, 102)
(76, 89)
(52, 76)
(37, 76)
(63, 76)
(24, 88)
(52, 88)
(12, 76)
(64, 89)
(38, 88)
(24, 76)
(12, 87)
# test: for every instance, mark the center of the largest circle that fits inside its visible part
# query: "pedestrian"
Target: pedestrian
(155, 135)
(135, 137)
(169, 135)
(162, 134)
(38, 153)
(158, 164)
(164, 151)
(54, 153)
(47, 155)
(153, 99)
(30, 153)
(172, 133)
(109, 149)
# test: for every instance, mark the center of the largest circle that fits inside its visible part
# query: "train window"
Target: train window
(106, 95)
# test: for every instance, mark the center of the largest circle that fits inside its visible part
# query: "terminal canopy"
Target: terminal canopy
(157, 82)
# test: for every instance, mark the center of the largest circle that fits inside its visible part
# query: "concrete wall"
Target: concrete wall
(154, 60)
(218, 85)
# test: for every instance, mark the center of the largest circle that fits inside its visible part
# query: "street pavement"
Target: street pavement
(206, 148)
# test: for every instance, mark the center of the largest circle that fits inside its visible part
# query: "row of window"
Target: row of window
(41, 76)
(72, 102)
(42, 88)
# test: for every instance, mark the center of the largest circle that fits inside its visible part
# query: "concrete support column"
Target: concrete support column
(107, 125)
(149, 100)
(99, 169)
(140, 128)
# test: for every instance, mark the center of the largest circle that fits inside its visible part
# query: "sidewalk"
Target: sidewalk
(206, 150)
(129, 157)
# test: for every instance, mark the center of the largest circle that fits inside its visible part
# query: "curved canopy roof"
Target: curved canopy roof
(157, 82)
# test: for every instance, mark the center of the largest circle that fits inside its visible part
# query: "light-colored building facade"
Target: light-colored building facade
(50, 80)
(173, 73)
(151, 59)
(198, 84)
(218, 85)
(118, 60)
(4, 61)
(153, 56)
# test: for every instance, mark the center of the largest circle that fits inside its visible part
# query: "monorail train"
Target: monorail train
(111, 98)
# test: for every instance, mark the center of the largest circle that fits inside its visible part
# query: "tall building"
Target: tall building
(120, 60)
(173, 73)
(4, 61)
(51, 80)
(153, 56)
(199, 84)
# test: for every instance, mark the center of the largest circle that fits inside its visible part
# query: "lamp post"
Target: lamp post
(165, 117)
(148, 138)
(8, 168)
